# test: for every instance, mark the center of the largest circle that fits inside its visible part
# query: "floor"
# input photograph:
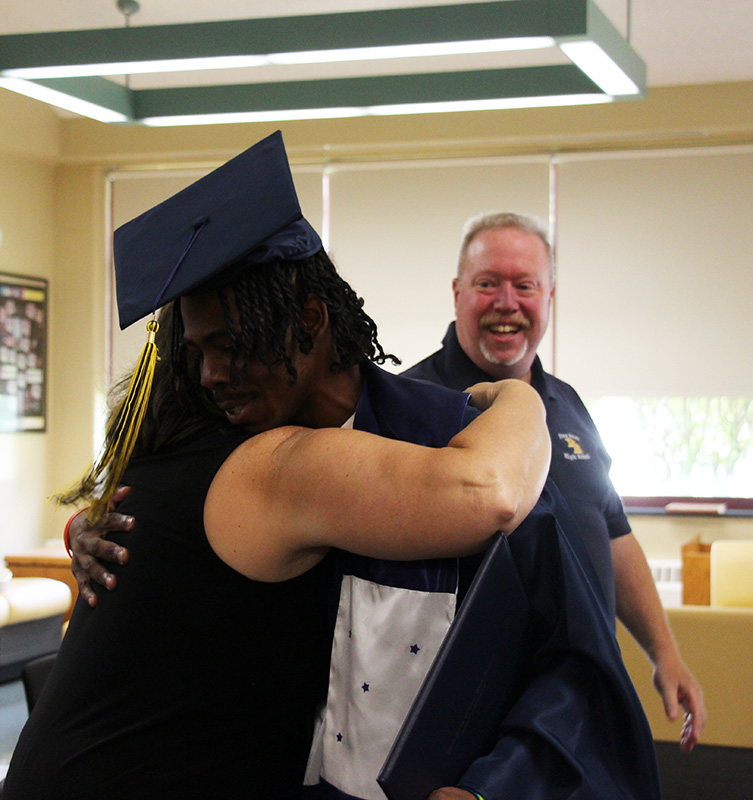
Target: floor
(709, 773)
(13, 715)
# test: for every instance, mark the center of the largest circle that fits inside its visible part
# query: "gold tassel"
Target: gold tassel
(121, 434)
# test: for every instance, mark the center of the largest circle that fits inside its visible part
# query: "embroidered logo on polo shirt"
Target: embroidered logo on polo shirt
(575, 451)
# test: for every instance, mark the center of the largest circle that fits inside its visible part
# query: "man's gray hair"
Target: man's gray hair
(505, 219)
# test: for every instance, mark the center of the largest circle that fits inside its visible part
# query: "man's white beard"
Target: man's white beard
(502, 362)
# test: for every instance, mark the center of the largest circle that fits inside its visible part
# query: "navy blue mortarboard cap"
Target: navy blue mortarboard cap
(248, 207)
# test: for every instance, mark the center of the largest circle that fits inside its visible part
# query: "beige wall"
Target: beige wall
(52, 210)
(29, 150)
(663, 536)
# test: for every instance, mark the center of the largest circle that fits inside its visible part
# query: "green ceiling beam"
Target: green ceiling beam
(584, 20)
(95, 90)
(280, 34)
(364, 92)
(505, 18)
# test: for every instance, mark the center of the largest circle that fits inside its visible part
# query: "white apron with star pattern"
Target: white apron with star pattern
(386, 637)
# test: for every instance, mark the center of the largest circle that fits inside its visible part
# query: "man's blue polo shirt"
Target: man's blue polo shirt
(580, 463)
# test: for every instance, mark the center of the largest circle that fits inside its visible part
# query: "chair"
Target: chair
(731, 572)
(31, 621)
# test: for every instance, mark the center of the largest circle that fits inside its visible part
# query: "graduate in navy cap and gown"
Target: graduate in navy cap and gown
(200, 674)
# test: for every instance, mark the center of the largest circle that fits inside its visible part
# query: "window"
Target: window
(678, 446)
(652, 315)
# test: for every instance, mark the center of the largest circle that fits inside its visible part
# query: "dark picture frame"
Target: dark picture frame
(23, 353)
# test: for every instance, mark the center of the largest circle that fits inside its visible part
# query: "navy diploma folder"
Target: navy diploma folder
(474, 680)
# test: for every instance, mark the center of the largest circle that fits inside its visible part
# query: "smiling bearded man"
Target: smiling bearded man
(503, 298)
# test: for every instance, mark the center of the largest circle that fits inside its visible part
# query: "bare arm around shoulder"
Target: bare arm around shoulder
(285, 496)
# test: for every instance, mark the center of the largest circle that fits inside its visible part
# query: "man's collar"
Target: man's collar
(541, 381)
(538, 381)
(413, 411)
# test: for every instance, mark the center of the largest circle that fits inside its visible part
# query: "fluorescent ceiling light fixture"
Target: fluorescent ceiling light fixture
(302, 57)
(490, 105)
(252, 116)
(601, 61)
(62, 100)
(136, 67)
(413, 50)
(379, 111)
(600, 52)
(600, 68)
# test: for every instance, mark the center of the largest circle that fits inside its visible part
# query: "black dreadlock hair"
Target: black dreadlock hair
(269, 300)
